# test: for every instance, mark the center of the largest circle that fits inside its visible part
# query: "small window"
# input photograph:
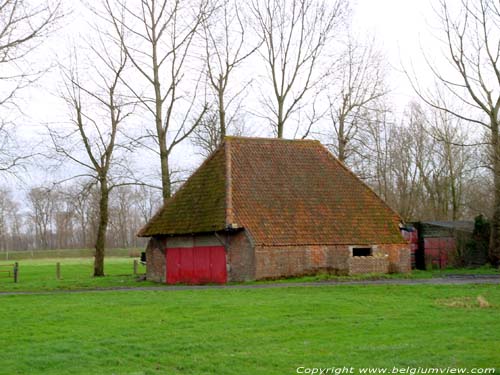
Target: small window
(361, 251)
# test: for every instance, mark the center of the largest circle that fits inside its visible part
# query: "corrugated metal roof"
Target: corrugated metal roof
(463, 225)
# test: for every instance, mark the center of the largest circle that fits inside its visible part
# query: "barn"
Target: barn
(270, 208)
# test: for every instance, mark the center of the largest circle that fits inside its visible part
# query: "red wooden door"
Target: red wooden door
(196, 265)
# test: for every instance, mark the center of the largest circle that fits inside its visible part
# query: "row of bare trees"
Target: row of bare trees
(417, 162)
(67, 217)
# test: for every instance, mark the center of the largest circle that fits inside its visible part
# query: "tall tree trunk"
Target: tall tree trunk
(281, 103)
(222, 112)
(165, 170)
(341, 140)
(100, 244)
(494, 250)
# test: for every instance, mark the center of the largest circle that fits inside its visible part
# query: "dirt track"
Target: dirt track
(455, 280)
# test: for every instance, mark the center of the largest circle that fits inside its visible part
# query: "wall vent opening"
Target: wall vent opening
(362, 251)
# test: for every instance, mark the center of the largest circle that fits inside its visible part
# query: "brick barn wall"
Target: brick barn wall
(241, 257)
(155, 260)
(399, 257)
(246, 262)
(360, 265)
(286, 261)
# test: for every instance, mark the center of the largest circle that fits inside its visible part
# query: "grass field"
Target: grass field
(76, 273)
(249, 331)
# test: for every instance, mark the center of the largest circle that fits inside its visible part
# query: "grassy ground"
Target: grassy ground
(415, 274)
(256, 331)
(76, 273)
(40, 275)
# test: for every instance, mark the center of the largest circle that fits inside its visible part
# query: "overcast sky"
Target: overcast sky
(403, 28)
(399, 26)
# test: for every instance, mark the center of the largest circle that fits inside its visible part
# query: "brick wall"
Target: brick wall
(246, 262)
(399, 257)
(285, 261)
(241, 260)
(371, 264)
(155, 260)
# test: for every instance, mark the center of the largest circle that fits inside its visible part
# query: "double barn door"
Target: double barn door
(196, 265)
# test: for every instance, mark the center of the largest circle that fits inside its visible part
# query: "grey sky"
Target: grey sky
(399, 26)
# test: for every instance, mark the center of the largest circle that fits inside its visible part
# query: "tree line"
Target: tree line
(152, 76)
(67, 218)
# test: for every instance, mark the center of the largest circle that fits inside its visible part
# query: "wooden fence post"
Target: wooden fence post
(135, 266)
(58, 271)
(16, 271)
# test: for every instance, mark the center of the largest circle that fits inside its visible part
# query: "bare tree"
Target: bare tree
(23, 25)
(404, 149)
(226, 48)
(98, 109)
(79, 196)
(360, 82)
(8, 212)
(419, 165)
(207, 136)
(8, 159)
(295, 35)
(455, 163)
(43, 204)
(473, 78)
(157, 37)
(148, 204)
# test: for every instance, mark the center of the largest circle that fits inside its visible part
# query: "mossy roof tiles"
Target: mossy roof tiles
(283, 193)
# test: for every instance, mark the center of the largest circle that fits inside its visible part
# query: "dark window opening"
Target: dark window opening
(361, 251)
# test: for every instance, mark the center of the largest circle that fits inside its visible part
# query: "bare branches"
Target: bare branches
(472, 46)
(98, 108)
(157, 38)
(295, 34)
(472, 52)
(22, 25)
(226, 48)
(360, 77)
(22, 28)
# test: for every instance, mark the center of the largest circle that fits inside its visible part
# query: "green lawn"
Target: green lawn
(415, 274)
(249, 331)
(40, 275)
(76, 273)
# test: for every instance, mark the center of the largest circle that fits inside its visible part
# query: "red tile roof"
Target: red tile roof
(282, 192)
(198, 206)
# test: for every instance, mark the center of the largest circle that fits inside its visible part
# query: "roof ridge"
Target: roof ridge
(229, 184)
(229, 138)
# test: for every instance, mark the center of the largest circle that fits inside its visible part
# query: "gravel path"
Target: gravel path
(451, 280)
